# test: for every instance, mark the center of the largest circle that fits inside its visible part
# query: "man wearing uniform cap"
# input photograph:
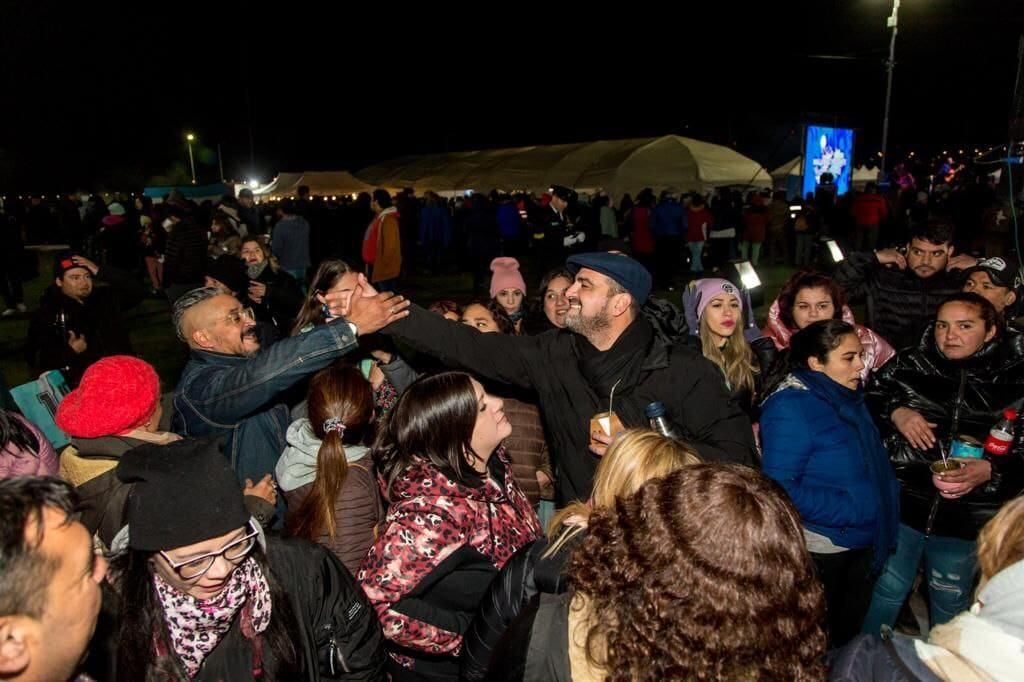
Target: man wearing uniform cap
(607, 347)
(554, 229)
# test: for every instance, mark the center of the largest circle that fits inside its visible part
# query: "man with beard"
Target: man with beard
(903, 291)
(232, 389)
(607, 347)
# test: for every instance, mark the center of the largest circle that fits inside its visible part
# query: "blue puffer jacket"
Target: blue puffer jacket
(237, 397)
(819, 458)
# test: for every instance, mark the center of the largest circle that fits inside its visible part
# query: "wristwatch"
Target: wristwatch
(353, 327)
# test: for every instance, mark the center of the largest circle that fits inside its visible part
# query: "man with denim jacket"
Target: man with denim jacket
(231, 388)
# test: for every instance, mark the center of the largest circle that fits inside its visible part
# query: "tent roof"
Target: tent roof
(320, 183)
(792, 167)
(616, 166)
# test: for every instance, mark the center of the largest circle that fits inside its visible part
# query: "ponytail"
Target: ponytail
(315, 515)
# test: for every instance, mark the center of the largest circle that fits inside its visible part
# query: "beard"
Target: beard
(588, 326)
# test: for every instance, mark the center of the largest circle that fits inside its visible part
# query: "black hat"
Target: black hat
(629, 274)
(1002, 270)
(184, 492)
(230, 271)
(245, 193)
(62, 263)
(563, 193)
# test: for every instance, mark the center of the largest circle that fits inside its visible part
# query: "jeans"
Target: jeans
(949, 565)
(754, 250)
(804, 248)
(696, 249)
(866, 238)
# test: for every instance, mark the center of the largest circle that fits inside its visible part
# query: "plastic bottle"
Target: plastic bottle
(660, 422)
(1000, 438)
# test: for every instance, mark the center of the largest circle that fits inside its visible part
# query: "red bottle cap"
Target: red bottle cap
(1010, 414)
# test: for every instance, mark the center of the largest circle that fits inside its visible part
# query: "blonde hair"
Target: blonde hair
(636, 456)
(1001, 541)
(735, 358)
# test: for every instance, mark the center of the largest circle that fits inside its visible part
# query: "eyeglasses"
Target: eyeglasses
(235, 316)
(194, 569)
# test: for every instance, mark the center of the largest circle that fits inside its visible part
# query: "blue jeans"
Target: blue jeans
(949, 565)
(696, 250)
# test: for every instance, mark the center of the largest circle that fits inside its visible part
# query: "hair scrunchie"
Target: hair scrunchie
(334, 424)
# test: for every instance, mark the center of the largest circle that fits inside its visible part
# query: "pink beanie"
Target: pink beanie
(707, 289)
(506, 275)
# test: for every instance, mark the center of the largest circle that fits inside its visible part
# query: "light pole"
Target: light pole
(891, 22)
(190, 138)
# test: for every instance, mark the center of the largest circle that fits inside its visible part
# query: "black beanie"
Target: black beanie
(184, 492)
(230, 271)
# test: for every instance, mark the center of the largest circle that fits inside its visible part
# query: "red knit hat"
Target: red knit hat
(117, 394)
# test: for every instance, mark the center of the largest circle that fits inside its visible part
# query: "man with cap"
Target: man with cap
(999, 281)
(77, 323)
(205, 595)
(231, 387)
(248, 213)
(554, 229)
(608, 357)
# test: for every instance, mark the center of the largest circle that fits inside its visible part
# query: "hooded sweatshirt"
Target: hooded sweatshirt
(358, 510)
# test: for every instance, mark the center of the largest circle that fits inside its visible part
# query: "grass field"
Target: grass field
(153, 337)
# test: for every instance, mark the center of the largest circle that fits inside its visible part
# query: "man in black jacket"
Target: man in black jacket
(608, 348)
(77, 324)
(903, 291)
(185, 253)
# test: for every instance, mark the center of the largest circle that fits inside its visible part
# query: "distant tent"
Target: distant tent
(320, 183)
(614, 166)
(788, 175)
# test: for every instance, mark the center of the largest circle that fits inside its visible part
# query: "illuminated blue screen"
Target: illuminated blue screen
(828, 150)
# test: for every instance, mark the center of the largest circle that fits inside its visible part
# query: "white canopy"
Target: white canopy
(320, 183)
(614, 166)
(861, 174)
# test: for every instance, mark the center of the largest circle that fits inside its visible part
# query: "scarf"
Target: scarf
(850, 407)
(623, 361)
(196, 627)
(256, 269)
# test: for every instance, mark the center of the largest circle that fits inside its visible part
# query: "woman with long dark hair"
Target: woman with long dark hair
(820, 442)
(326, 474)
(455, 516)
(204, 595)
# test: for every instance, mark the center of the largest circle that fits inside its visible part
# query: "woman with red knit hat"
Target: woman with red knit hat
(115, 408)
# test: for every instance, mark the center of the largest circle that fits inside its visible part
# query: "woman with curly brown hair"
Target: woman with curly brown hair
(702, 574)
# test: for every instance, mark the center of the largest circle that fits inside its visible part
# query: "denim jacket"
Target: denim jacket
(237, 397)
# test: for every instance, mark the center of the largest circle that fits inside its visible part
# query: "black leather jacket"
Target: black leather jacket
(971, 393)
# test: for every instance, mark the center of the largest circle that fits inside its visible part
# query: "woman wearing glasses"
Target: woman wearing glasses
(205, 595)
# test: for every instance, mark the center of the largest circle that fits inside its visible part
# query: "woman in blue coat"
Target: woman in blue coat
(821, 445)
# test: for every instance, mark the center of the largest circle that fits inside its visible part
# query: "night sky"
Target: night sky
(102, 99)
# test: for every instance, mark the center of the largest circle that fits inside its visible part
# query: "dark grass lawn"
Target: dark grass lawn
(153, 336)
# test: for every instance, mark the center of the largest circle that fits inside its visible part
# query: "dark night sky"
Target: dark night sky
(94, 97)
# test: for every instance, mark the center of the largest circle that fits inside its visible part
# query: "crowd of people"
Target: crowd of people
(578, 481)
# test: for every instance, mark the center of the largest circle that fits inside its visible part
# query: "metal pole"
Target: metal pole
(220, 162)
(192, 162)
(889, 67)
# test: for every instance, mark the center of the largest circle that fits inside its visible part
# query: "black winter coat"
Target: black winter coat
(281, 304)
(520, 580)
(977, 390)
(98, 318)
(336, 626)
(572, 380)
(899, 303)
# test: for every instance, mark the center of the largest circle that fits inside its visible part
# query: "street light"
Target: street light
(190, 138)
(891, 22)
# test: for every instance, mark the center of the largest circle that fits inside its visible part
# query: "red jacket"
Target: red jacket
(641, 237)
(869, 209)
(699, 224)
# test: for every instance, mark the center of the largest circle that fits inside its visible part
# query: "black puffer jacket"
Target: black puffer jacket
(900, 304)
(527, 574)
(282, 301)
(976, 390)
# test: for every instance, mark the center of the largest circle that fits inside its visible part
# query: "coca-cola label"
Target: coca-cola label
(998, 443)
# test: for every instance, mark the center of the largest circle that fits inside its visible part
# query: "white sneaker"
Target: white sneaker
(8, 312)
(22, 308)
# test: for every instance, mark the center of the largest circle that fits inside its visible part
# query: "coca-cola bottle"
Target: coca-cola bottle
(1000, 438)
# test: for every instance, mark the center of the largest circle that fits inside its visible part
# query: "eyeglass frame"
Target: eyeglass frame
(176, 567)
(234, 317)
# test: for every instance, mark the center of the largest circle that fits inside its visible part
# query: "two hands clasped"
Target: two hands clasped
(368, 310)
(918, 431)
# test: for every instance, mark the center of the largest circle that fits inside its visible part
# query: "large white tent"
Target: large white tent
(320, 183)
(614, 166)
